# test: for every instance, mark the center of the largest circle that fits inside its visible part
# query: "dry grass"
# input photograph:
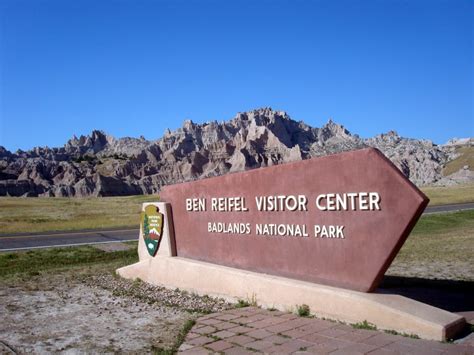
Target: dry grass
(466, 158)
(448, 195)
(22, 215)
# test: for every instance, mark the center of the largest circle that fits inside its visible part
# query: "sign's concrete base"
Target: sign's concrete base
(386, 311)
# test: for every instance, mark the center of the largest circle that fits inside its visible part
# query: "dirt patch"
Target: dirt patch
(112, 247)
(435, 269)
(70, 313)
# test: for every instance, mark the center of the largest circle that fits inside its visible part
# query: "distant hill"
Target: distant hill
(101, 165)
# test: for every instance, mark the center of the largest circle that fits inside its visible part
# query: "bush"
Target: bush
(303, 310)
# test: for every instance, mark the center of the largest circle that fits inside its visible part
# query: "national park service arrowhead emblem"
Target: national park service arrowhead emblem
(152, 227)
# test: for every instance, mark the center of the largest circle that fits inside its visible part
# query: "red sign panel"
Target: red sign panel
(338, 220)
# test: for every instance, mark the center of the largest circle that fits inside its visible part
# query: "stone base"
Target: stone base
(392, 312)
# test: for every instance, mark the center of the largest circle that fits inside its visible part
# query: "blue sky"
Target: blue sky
(138, 67)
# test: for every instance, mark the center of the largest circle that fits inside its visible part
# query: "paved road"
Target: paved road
(45, 240)
(449, 208)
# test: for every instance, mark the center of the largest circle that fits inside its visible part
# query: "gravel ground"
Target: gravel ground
(434, 269)
(99, 313)
(156, 295)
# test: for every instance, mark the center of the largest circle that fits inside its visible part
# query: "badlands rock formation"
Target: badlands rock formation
(101, 165)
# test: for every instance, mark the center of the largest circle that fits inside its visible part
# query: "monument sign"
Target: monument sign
(313, 232)
(337, 220)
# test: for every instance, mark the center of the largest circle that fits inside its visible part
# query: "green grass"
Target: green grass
(445, 223)
(442, 245)
(364, 325)
(242, 304)
(448, 195)
(444, 237)
(20, 215)
(34, 262)
(179, 340)
(303, 310)
(406, 335)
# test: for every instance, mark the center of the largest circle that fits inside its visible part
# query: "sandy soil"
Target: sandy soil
(61, 313)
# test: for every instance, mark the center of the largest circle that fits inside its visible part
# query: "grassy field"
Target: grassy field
(34, 262)
(441, 246)
(447, 195)
(21, 215)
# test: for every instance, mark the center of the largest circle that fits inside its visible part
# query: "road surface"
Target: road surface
(449, 208)
(14, 242)
(59, 239)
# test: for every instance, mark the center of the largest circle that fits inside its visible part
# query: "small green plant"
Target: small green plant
(407, 335)
(156, 350)
(364, 325)
(242, 303)
(136, 285)
(253, 300)
(303, 310)
(182, 335)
